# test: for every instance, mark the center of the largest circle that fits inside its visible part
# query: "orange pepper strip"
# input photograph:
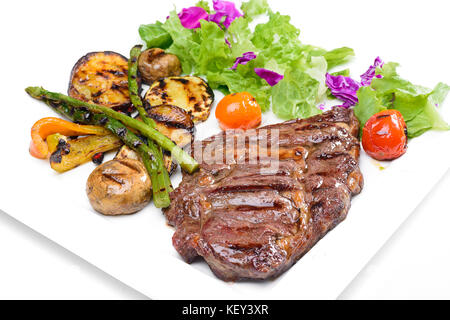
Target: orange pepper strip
(47, 126)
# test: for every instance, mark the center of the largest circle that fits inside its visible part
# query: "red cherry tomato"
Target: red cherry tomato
(238, 111)
(385, 135)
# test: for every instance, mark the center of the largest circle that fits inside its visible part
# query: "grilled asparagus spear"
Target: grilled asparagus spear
(133, 85)
(137, 102)
(185, 160)
(151, 157)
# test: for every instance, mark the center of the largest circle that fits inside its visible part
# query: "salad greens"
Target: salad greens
(272, 64)
(155, 36)
(204, 51)
(417, 104)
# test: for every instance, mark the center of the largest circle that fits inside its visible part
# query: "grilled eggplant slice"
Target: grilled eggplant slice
(174, 123)
(102, 78)
(191, 94)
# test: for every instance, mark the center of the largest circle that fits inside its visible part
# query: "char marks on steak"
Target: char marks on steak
(251, 221)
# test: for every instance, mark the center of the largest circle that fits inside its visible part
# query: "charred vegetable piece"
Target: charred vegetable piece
(133, 85)
(155, 64)
(174, 123)
(101, 78)
(191, 94)
(47, 126)
(75, 111)
(68, 154)
(127, 153)
(137, 102)
(95, 114)
(119, 186)
(97, 158)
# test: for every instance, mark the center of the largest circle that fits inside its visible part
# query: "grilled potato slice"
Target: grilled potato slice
(191, 94)
(102, 78)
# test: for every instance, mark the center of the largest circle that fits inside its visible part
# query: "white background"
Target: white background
(412, 265)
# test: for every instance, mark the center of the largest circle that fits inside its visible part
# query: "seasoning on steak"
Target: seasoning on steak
(254, 221)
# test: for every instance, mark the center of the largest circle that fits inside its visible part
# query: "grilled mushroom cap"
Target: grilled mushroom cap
(119, 186)
(154, 64)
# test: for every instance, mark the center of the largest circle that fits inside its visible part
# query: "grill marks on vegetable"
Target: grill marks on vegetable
(191, 94)
(97, 159)
(101, 78)
(63, 148)
(174, 123)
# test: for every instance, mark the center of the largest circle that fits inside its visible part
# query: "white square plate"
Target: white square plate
(44, 39)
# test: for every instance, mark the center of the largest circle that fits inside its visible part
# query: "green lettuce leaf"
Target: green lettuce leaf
(155, 36)
(417, 104)
(254, 8)
(238, 82)
(277, 39)
(214, 55)
(295, 96)
(345, 73)
(368, 105)
(203, 4)
(240, 37)
(317, 69)
(419, 112)
(185, 44)
(439, 94)
(338, 56)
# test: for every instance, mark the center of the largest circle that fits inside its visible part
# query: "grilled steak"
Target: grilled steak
(254, 218)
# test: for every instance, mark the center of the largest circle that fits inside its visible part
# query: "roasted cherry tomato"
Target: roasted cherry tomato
(238, 111)
(385, 136)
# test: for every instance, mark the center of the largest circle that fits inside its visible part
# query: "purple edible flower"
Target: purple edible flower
(190, 17)
(228, 43)
(271, 77)
(246, 57)
(343, 88)
(224, 9)
(367, 77)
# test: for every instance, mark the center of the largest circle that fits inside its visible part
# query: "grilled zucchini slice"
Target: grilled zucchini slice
(102, 78)
(191, 94)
